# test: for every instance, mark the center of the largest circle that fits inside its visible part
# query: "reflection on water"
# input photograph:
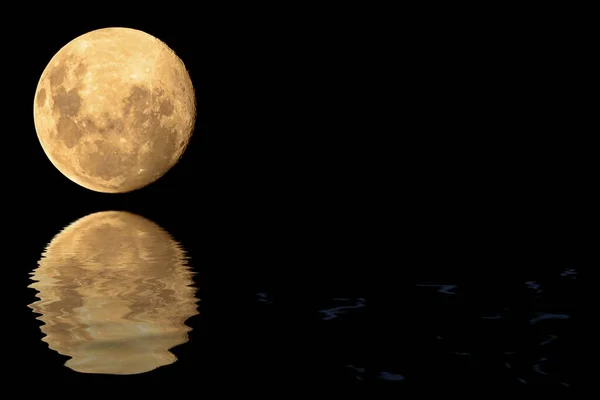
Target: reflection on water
(519, 332)
(342, 306)
(114, 293)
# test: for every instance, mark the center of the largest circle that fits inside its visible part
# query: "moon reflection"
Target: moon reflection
(114, 293)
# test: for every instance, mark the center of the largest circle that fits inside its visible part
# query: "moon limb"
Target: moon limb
(114, 110)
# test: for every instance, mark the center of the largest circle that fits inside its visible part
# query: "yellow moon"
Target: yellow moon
(114, 293)
(114, 110)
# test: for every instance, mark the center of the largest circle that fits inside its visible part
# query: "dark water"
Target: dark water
(115, 297)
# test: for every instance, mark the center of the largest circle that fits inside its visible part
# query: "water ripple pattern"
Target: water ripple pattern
(527, 340)
(114, 293)
(341, 306)
(513, 332)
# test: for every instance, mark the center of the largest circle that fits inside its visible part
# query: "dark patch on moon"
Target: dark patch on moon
(57, 75)
(89, 125)
(67, 102)
(68, 131)
(107, 162)
(137, 102)
(166, 108)
(112, 125)
(41, 97)
(141, 102)
(162, 145)
(109, 125)
(147, 117)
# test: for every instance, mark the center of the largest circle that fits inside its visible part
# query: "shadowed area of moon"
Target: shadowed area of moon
(114, 293)
(114, 109)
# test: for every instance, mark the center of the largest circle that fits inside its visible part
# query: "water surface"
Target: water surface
(114, 291)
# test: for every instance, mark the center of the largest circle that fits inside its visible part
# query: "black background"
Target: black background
(337, 152)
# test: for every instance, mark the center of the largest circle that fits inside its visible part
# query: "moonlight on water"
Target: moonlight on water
(114, 110)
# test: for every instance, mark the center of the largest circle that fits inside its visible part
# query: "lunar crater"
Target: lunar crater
(106, 131)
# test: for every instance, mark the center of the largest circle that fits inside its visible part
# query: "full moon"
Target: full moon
(114, 110)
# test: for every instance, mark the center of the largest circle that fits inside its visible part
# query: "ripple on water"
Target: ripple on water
(445, 289)
(512, 337)
(114, 293)
(341, 306)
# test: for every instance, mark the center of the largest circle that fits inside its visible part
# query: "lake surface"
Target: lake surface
(114, 293)
(113, 296)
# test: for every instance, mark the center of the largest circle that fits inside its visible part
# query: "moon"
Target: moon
(114, 293)
(114, 110)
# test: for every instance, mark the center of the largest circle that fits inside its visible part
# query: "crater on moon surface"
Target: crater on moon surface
(114, 110)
